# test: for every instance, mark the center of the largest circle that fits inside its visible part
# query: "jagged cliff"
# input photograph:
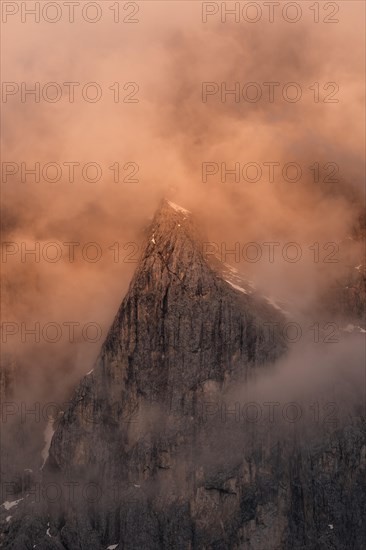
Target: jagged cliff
(149, 428)
(180, 328)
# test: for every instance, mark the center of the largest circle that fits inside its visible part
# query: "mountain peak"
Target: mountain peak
(172, 239)
(180, 327)
(170, 215)
(181, 333)
(184, 319)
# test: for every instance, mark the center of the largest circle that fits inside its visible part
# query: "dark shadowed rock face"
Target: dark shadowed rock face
(143, 428)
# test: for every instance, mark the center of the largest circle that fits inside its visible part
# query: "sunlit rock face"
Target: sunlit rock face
(173, 462)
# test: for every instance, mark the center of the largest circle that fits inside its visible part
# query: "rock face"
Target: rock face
(180, 328)
(155, 455)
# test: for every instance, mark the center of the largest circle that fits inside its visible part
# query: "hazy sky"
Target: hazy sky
(167, 135)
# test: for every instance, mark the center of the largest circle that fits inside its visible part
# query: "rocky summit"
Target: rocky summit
(150, 455)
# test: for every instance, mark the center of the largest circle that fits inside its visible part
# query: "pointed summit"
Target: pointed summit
(171, 218)
(172, 253)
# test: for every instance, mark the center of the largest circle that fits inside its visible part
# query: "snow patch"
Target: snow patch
(48, 433)
(358, 267)
(112, 547)
(178, 208)
(353, 328)
(330, 526)
(8, 518)
(87, 374)
(9, 504)
(153, 240)
(273, 303)
(236, 287)
(230, 268)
